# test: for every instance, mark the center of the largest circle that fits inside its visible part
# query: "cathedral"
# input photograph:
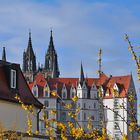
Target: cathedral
(50, 68)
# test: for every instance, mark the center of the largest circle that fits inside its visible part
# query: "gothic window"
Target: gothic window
(49, 62)
(13, 78)
(31, 64)
(28, 63)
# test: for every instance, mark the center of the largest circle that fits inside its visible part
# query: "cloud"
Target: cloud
(80, 28)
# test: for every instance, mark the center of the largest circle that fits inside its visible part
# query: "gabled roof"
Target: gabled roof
(106, 82)
(23, 90)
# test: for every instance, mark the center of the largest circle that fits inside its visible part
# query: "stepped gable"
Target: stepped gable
(23, 90)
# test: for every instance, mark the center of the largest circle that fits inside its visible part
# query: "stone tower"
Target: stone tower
(29, 61)
(51, 65)
(49, 70)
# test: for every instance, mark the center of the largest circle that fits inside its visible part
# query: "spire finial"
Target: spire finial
(29, 33)
(4, 54)
(51, 31)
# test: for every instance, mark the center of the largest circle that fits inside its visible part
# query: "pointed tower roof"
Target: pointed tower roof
(29, 48)
(82, 78)
(4, 54)
(51, 45)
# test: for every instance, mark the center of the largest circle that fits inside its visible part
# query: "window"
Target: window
(84, 116)
(34, 92)
(63, 116)
(84, 105)
(78, 105)
(92, 117)
(46, 92)
(72, 94)
(42, 124)
(94, 105)
(79, 116)
(13, 78)
(46, 103)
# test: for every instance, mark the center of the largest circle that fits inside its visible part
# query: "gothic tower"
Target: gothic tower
(51, 65)
(29, 61)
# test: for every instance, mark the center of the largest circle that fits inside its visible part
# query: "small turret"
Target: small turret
(82, 78)
(4, 54)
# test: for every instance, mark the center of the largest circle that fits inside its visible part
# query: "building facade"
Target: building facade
(12, 83)
(96, 96)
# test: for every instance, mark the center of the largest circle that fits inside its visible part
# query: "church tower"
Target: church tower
(51, 65)
(29, 61)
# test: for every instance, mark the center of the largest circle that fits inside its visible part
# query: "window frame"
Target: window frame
(13, 80)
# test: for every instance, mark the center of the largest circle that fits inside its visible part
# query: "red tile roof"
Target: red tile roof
(106, 82)
(23, 90)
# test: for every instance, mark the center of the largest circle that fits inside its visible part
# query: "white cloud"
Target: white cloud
(80, 28)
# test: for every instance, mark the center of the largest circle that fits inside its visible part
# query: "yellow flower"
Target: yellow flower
(54, 93)
(124, 137)
(68, 106)
(54, 111)
(75, 98)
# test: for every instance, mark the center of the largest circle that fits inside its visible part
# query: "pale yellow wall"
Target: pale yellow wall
(13, 117)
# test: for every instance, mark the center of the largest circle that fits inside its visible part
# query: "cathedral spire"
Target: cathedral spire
(51, 45)
(29, 58)
(4, 54)
(82, 78)
(51, 64)
(30, 41)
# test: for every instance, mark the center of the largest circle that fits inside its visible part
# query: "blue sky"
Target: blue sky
(80, 28)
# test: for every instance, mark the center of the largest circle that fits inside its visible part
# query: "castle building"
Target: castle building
(104, 107)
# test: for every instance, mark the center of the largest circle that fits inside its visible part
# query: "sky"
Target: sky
(80, 28)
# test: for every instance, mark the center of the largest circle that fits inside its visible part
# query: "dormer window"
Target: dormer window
(64, 95)
(35, 90)
(46, 92)
(13, 79)
(64, 92)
